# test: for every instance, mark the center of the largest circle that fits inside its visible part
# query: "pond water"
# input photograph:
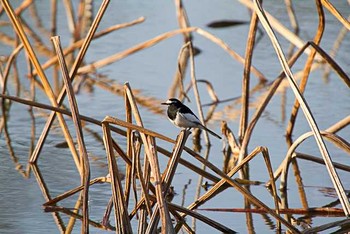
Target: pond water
(151, 72)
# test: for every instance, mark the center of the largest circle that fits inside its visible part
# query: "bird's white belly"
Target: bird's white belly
(185, 121)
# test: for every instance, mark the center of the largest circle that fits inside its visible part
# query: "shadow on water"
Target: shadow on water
(123, 174)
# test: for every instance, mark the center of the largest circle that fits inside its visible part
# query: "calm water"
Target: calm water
(151, 71)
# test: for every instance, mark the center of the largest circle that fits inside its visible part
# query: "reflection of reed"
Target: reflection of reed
(146, 183)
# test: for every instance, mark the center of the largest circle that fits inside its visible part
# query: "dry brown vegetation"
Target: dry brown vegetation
(153, 207)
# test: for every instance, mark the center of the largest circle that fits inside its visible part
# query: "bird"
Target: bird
(182, 116)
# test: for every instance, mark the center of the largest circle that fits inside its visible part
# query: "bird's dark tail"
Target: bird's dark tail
(210, 131)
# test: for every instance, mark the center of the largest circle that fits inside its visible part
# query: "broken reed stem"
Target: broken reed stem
(182, 61)
(246, 76)
(151, 155)
(72, 74)
(174, 161)
(129, 148)
(120, 209)
(84, 159)
(169, 172)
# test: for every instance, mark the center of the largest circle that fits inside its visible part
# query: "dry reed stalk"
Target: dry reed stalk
(84, 159)
(307, 68)
(336, 13)
(246, 75)
(77, 216)
(129, 149)
(200, 217)
(336, 45)
(251, 198)
(219, 185)
(151, 154)
(144, 178)
(108, 211)
(5, 108)
(120, 209)
(339, 125)
(196, 92)
(161, 150)
(138, 128)
(24, 5)
(169, 172)
(7, 40)
(318, 160)
(189, 165)
(333, 212)
(177, 84)
(118, 56)
(211, 92)
(55, 200)
(72, 74)
(45, 192)
(342, 75)
(76, 45)
(59, 110)
(231, 52)
(4, 74)
(162, 205)
(19, 30)
(182, 19)
(231, 152)
(283, 170)
(266, 99)
(70, 16)
(340, 223)
(36, 38)
(144, 184)
(184, 53)
(121, 153)
(329, 133)
(281, 29)
(72, 219)
(332, 172)
(18, 166)
(53, 25)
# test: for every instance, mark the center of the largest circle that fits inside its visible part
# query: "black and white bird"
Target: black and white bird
(182, 116)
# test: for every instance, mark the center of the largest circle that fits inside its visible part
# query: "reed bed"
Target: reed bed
(145, 184)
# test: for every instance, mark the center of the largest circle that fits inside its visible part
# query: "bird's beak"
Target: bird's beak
(164, 103)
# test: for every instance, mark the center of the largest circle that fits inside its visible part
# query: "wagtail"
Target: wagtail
(182, 116)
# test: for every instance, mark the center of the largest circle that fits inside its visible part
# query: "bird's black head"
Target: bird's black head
(172, 101)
